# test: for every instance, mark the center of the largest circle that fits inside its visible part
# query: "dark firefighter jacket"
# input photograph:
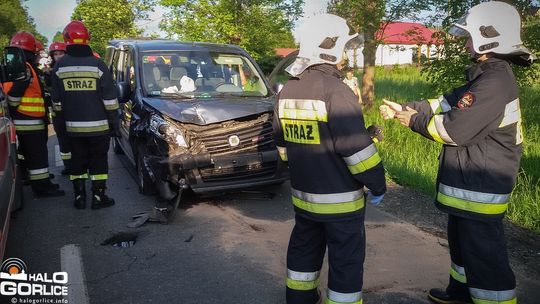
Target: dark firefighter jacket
(320, 131)
(83, 93)
(479, 125)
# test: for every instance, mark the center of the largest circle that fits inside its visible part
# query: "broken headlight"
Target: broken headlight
(167, 131)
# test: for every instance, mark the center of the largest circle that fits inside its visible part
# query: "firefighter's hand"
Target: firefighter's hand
(405, 116)
(375, 200)
(389, 109)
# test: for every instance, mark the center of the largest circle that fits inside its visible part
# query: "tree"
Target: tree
(259, 26)
(58, 37)
(13, 18)
(110, 19)
(371, 17)
(447, 72)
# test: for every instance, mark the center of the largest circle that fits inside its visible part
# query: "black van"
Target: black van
(194, 114)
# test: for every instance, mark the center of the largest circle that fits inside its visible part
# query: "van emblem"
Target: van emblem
(234, 140)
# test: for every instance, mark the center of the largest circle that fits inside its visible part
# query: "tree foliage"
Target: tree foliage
(110, 19)
(58, 37)
(448, 71)
(13, 18)
(371, 17)
(259, 26)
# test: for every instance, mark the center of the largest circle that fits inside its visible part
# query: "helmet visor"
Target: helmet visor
(459, 29)
(355, 42)
(300, 65)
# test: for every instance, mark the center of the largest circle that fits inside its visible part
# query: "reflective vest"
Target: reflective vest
(32, 103)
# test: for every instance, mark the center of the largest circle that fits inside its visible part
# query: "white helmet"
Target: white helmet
(323, 39)
(494, 27)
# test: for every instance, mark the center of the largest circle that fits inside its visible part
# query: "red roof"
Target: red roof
(408, 33)
(284, 52)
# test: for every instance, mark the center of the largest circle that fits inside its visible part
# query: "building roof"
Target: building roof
(283, 52)
(407, 33)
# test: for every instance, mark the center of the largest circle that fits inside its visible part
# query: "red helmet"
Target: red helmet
(76, 33)
(57, 46)
(39, 46)
(24, 40)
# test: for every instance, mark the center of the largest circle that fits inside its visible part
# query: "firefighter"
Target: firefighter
(85, 95)
(27, 106)
(479, 125)
(57, 50)
(320, 131)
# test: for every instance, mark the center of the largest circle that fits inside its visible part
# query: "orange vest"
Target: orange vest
(32, 103)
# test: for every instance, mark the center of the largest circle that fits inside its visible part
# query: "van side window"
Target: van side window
(114, 65)
(129, 70)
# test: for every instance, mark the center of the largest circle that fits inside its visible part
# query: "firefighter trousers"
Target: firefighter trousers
(89, 159)
(346, 244)
(33, 148)
(63, 143)
(480, 268)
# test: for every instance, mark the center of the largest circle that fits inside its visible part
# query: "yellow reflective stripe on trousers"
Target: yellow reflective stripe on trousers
(82, 176)
(65, 156)
(302, 280)
(333, 297)
(303, 109)
(472, 201)
(363, 160)
(458, 273)
(333, 203)
(38, 174)
(484, 296)
(99, 177)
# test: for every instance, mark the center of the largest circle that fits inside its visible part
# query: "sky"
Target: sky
(52, 15)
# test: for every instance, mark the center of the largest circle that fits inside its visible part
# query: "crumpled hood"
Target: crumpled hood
(210, 110)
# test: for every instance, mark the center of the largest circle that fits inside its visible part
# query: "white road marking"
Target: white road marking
(57, 158)
(71, 262)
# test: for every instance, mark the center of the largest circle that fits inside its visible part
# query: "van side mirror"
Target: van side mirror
(14, 65)
(123, 91)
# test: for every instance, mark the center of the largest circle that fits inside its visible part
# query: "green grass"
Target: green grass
(411, 160)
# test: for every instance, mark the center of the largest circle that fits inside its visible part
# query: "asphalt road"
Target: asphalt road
(228, 249)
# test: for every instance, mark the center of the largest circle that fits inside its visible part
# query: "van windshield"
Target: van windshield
(200, 74)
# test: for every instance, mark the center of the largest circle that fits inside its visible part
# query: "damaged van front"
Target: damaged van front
(195, 115)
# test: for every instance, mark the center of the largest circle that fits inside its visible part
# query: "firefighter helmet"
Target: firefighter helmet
(24, 40)
(323, 39)
(494, 27)
(39, 46)
(57, 46)
(76, 33)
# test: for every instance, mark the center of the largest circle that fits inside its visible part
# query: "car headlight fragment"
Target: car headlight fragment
(167, 131)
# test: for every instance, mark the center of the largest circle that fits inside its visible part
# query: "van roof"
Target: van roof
(145, 44)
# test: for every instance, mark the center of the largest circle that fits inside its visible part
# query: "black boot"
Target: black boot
(46, 189)
(440, 296)
(99, 199)
(79, 190)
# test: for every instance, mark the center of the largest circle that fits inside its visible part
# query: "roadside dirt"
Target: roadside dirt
(418, 209)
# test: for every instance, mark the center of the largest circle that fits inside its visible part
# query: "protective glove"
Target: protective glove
(375, 200)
